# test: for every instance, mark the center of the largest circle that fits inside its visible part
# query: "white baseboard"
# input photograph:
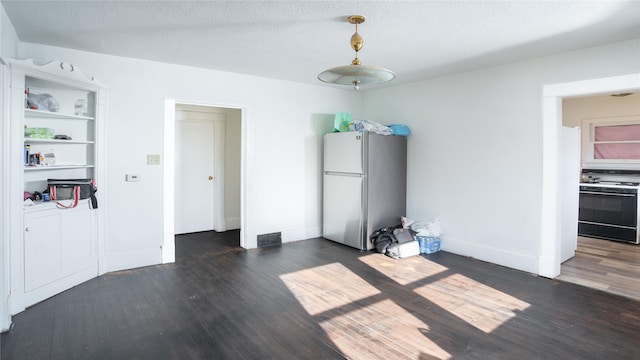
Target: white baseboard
(53, 288)
(133, 259)
(547, 268)
(232, 223)
(301, 234)
(498, 256)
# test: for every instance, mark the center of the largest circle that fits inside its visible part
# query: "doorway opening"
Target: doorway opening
(606, 265)
(550, 231)
(203, 177)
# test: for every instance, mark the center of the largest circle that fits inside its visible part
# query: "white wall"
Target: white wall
(475, 153)
(285, 123)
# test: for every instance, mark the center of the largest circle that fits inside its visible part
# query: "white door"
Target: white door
(194, 177)
(569, 158)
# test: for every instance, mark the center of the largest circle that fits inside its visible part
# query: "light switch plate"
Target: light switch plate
(153, 159)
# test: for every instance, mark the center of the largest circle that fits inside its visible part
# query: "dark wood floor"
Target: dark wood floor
(316, 299)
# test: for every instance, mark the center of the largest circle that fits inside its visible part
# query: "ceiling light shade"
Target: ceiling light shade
(356, 74)
(365, 74)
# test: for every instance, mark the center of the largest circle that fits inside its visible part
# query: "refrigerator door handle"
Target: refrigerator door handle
(342, 174)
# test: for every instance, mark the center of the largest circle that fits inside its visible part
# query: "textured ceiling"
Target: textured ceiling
(296, 40)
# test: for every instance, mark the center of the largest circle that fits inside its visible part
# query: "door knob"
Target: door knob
(210, 177)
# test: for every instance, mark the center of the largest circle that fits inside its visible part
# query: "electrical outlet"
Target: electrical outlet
(153, 159)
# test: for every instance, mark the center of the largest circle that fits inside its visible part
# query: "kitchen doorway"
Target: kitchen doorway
(549, 264)
(610, 266)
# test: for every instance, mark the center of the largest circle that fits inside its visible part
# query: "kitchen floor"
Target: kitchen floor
(610, 266)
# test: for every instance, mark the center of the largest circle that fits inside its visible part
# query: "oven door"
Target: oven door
(608, 215)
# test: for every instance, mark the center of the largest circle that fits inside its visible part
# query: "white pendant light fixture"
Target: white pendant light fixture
(356, 74)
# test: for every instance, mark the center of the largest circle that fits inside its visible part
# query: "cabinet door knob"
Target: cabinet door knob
(26, 229)
(210, 177)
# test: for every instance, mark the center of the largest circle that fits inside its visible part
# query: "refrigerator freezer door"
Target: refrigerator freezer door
(343, 153)
(342, 211)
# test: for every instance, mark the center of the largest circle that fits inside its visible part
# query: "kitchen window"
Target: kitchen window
(616, 142)
(611, 141)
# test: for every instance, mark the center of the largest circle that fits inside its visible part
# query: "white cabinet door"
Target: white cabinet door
(42, 249)
(77, 241)
(59, 251)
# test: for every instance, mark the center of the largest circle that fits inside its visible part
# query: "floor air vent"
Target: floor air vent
(272, 239)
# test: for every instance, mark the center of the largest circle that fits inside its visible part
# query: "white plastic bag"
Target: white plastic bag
(406, 222)
(430, 228)
(42, 102)
(366, 125)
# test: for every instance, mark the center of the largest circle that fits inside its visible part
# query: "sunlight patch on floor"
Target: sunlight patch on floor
(477, 304)
(327, 287)
(382, 330)
(403, 271)
(355, 319)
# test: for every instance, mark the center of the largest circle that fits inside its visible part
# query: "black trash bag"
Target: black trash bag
(383, 238)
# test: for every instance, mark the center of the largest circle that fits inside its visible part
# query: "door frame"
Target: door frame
(549, 260)
(168, 231)
(5, 180)
(219, 133)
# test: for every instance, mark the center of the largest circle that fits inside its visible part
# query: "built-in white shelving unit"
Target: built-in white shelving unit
(52, 249)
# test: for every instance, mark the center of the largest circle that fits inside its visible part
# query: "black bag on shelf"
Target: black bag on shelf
(72, 189)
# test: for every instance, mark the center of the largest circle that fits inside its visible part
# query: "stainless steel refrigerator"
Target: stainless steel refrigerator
(365, 185)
